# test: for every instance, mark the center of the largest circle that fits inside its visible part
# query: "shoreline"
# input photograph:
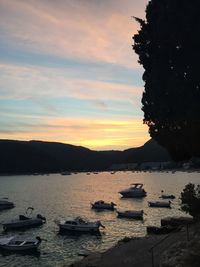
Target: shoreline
(99, 171)
(138, 252)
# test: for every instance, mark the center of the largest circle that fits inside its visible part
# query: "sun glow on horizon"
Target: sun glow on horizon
(65, 81)
(93, 134)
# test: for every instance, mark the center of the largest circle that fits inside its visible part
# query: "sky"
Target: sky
(68, 72)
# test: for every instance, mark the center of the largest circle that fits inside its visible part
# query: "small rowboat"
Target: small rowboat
(133, 214)
(19, 243)
(160, 204)
(102, 205)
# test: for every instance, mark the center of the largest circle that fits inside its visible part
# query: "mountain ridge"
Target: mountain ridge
(42, 156)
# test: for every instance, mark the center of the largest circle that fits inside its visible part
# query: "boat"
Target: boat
(80, 225)
(133, 214)
(177, 221)
(65, 173)
(5, 204)
(162, 230)
(24, 221)
(160, 204)
(167, 196)
(136, 191)
(102, 205)
(163, 196)
(19, 243)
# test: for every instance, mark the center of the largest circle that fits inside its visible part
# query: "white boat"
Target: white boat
(102, 205)
(5, 204)
(80, 225)
(134, 214)
(19, 243)
(160, 204)
(24, 221)
(136, 190)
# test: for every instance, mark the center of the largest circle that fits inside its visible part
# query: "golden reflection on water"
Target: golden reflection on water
(58, 197)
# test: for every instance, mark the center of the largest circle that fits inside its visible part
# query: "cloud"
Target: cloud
(20, 82)
(63, 62)
(92, 133)
(79, 29)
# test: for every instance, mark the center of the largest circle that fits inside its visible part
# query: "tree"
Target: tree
(190, 200)
(168, 46)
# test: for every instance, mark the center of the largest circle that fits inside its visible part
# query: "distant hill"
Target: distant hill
(37, 156)
(151, 151)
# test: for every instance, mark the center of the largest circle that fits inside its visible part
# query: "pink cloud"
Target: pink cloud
(73, 28)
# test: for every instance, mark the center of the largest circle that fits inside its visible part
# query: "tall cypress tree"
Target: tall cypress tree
(168, 45)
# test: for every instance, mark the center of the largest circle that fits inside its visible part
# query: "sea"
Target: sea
(58, 197)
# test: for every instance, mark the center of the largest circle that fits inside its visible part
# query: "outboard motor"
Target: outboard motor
(100, 224)
(39, 239)
(39, 216)
(22, 217)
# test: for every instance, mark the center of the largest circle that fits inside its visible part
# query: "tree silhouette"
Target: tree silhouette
(190, 200)
(168, 45)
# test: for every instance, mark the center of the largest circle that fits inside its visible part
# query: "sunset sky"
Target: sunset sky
(68, 72)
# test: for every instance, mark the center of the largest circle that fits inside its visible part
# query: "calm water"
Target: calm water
(59, 197)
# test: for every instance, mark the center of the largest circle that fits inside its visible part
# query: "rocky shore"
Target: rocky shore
(154, 250)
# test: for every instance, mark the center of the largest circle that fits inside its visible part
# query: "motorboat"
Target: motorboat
(19, 243)
(25, 221)
(80, 225)
(160, 204)
(133, 214)
(164, 196)
(5, 204)
(102, 205)
(135, 191)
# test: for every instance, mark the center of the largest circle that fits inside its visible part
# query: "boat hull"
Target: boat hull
(19, 248)
(102, 207)
(18, 224)
(138, 216)
(5, 207)
(132, 195)
(168, 197)
(88, 229)
(4, 204)
(160, 205)
(161, 230)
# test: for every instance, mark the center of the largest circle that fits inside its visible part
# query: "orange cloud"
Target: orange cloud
(95, 134)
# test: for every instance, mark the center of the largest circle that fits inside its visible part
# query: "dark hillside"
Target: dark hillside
(37, 156)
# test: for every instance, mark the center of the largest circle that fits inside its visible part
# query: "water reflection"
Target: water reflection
(59, 197)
